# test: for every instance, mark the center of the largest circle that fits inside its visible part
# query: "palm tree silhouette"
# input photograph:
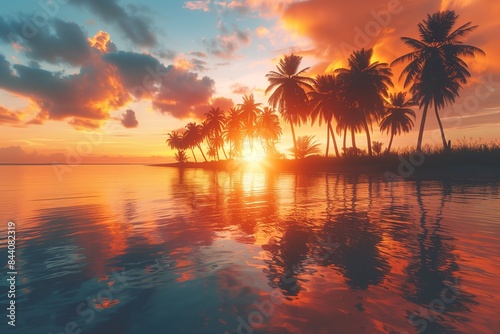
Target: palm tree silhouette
(216, 142)
(193, 138)
(249, 110)
(366, 85)
(398, 116)
(305, 147)
(436, 70)
(326, 104)
(176, 141)
(233, 132)
(289, 88)
(215, 123)
(268, 129)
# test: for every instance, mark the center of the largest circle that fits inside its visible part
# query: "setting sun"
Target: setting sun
(255, 155)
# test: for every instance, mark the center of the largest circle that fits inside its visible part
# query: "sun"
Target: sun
(256, 154)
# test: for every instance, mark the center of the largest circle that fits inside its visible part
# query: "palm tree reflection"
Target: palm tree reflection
(433, 270)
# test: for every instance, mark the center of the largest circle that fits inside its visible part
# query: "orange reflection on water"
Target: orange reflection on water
(364, 254)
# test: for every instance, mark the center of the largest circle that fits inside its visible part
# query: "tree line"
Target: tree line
(348, 100)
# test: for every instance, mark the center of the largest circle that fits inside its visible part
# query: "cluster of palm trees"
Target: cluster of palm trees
(351, 99)
(240, 128)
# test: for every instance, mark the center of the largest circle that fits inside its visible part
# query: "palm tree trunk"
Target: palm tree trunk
(203, 154)
(294, 140)
(422, 125)
(445, 144)
(327, 140)
(194, 156)
(390, 142)
(345, 137)
(334, 141)
(224, 151)
(353, 140)
(368, 139)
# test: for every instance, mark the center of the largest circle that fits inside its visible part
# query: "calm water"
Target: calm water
(137, 249)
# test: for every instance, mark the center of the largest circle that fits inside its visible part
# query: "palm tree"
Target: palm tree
(326, 104)
(398, 116)
(174, 140)
(436, 70)
(289, 93)
(177, 142)
(305, 147)
(233, 132)
(193, 138)
(181, 157)
(216, 142)
(200, 136)
(366, 85)
(350, 119)
(268, 128)
(249, 110)
(212, 153)
(215, 123)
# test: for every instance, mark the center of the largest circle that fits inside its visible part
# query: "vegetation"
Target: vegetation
(305, 147)
(349, 99)
(436, 71)
(398, 116)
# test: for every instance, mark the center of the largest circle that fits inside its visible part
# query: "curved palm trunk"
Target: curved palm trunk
(422, 125)
(368, 139)
(445, 144)
(334, 141)
(203, 154)
(194, 156)
(294, 140)
(390, 142)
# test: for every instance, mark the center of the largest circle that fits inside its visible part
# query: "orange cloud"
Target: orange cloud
(102, 42)
(198, 5)
(9, 117)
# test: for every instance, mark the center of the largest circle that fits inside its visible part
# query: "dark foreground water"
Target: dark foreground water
(136, 249)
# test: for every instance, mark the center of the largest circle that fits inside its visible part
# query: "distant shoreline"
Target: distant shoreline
(392, 165)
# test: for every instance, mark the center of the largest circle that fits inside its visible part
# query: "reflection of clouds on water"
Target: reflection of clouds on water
(201, 247)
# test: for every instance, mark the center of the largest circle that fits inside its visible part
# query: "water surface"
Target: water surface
(138, 249)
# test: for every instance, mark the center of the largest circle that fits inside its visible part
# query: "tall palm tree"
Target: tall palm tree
(326, 104)
(233, 132)
(436, 69)
(193, 138)
(215, 123)
(366, 86)
(216, 142)
(249, 110)
(268, 128)
(350, 119)
(289, 87)
(200, 136)
(398, 116)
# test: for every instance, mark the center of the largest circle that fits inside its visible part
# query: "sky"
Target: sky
(92, 81)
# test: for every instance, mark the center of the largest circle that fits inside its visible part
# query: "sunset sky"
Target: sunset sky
(106, 80)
